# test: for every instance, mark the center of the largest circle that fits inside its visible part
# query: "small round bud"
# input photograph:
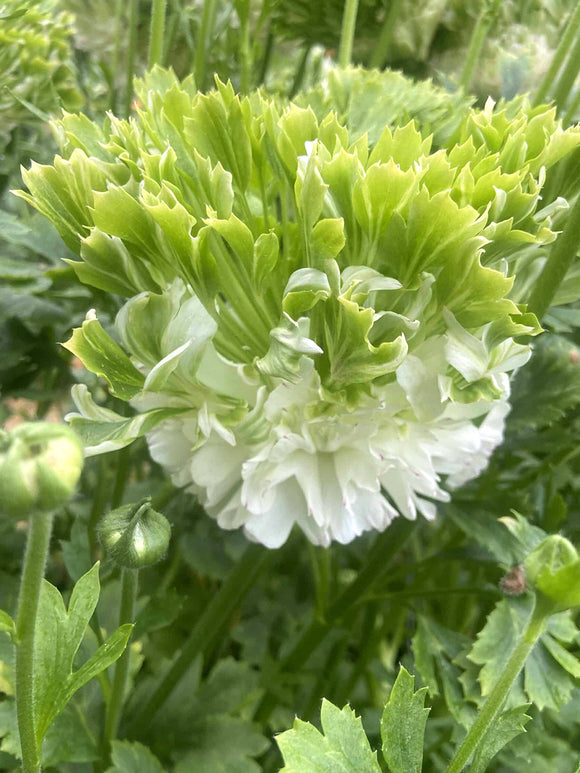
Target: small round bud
(551, 555)
(40, 465)
(135, 536)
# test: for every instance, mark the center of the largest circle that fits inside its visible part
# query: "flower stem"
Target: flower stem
(381, 51)
(383, 552)
(563, 48)
(40, 529)
(129, 584)
(568, 76)
(156, 33)
(497, 696)
(203, 41)
(347, 33)
(207, 628)
(300, 72)
(573, 109)
(133, 20)
(116, 55)
(561, 256)
(482, 27)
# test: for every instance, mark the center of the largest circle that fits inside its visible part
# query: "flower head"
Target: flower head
(318, 330)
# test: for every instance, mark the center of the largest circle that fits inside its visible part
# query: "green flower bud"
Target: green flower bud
(553, 569)
(551, 555)
(135, 536)
(40, 464)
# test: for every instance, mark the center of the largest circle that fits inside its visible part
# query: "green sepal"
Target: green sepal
(103, 356)
(7, 624)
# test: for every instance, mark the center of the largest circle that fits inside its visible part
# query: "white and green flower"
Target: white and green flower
(318, 331)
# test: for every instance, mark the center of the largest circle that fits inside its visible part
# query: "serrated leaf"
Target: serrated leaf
(501, 731)
(342, 745)
(128, 757)
(59, 633)
(403, 725)
(549, 671)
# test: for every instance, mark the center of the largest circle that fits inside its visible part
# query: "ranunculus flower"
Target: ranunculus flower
(318, 330)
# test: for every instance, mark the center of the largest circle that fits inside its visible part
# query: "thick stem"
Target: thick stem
(381, 51)
(40, 529)
(478, 36)
(347, 33)
(156, 33)
(561, 256)
(568, 76)
(129, 584)
(383, 552)
(300, 72)
(116, 55)
(573, 109)
(203, 41)
(497, 696)
(208, 627)
(561, 52)
(245, 54)
(132, 47)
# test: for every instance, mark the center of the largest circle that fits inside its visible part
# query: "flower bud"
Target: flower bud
(40, 464)
(551, 555)
(553, 569)
(135, 536)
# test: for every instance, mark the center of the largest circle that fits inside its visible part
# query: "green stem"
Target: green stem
(561, 256)
(133, 21)
(266, 58)
(497, 696)
(119, 5)
(568, 76)
(129, 584)
(572, 28)
(300, 72)
(156, 33)
(120, 477)
(245, 54)
(347, 33)
(40, 529)
(478, 36)
(573, 109)
(204, 38)
(207, 628)
(383, 552)
(381, 51)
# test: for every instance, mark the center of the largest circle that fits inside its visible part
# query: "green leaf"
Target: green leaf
(304, 289)
(403, 725)
(103, 356)
(59, 633)
(7, 623)
(130, 757)
(550, 670)
(501, 731)
(342, 745)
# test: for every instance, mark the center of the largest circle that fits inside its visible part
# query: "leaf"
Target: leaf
(130, 757)
(550, 670)
(342, 745)
(7, 623)
(59, 633)
(403, 725)
(103, 356)
(501, 731)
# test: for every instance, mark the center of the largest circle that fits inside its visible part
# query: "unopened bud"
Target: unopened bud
(40, 465)
(553, 569)
(135, 536)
